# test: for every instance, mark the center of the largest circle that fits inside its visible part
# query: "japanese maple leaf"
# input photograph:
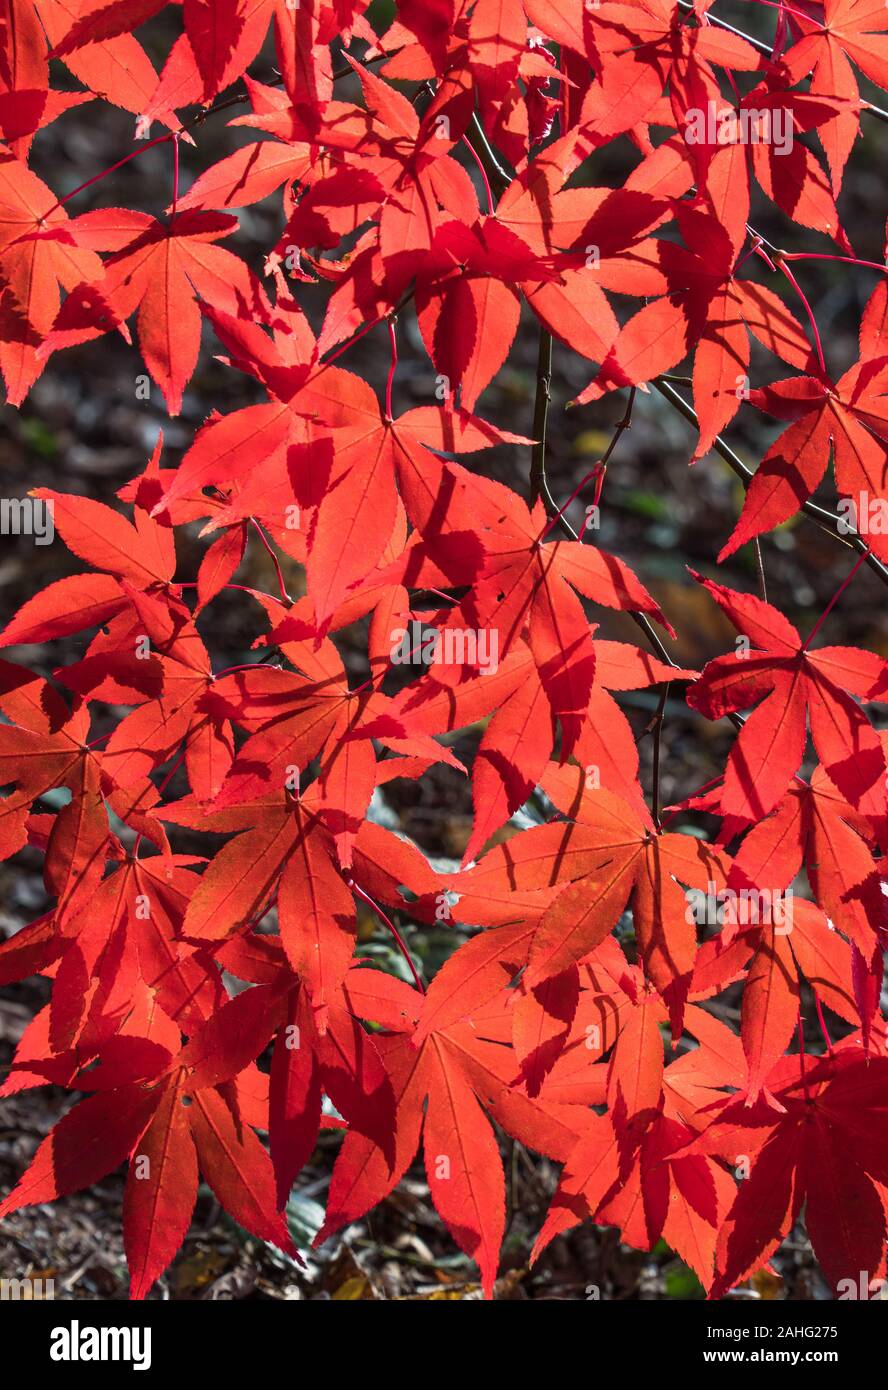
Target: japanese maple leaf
(230, 449)
(222, 38)
(757, 135)
(398, 173)
(26, 103)
(248, 175)
(517, 742)
(344, 1061)
(433, 25)
(159, 269)
(847, 36)
(661, 1193)
(114, 66)
(445, 1090)
(814, 825)
(607, 742)
(48, 749)
(38, 255)
(258, 461)
(846, 420)
(670, 43)
(601, 236)
(676, 51)
(498, 46)
(168, 688)
(477, 531)
(789, 679)
(789, 943)
(170, 1111)
(76, 839)
(331, 474)
(635, 863)
(226, 514)
(122, 941)
(630, 1167)
(519, 878)
(564, 1027)
(706, 311)
(24, 68)
(824, 1150)
(515, 746)
(285, 848)
(139, 605)
(341, 1060)
(337, 488)
(44, 1054)
(197, 61)
(137, 559)
(22, 114)
(467, 302)
(294, 717)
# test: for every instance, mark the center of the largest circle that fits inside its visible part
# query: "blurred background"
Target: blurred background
(84, 429)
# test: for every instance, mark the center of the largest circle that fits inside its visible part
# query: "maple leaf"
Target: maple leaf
(292, 718)
(790, 680)
(708, 311)
(159, 270)
(814, 825)
(173, 1114)
(817, 1151)
(286, 848)
(467, 304)
(457, 1073)
(48, 750)
(38, 254)
(630, 860)
(219, 43)
(114, 66)
(845, 420)
(846, 35)
(475, 531)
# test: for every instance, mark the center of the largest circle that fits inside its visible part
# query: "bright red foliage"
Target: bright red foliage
(546, 1023)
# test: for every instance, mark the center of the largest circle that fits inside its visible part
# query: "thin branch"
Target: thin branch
(497, 177)
(401, 943)
(488, 192)
(760, 566)
(285, 597)
(622, 426)
(815, 331)
(541, 415)
(390, 379)
(595, 472)
(657, 737)
(832, 603)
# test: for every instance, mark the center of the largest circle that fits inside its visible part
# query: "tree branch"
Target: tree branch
(541, 415)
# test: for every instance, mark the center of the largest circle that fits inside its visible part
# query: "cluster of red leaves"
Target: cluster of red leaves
(544, 1023)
